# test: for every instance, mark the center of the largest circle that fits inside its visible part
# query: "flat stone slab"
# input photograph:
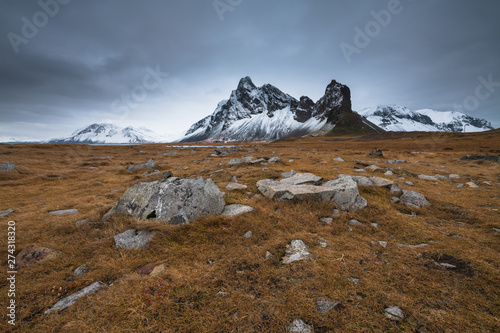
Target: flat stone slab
(394, 313)
(276, 190)
(302, 179)
(71, 299)
(381, 182)
(6, 212)
(133, 239)
(236, 209)
(64, 212)
(235, 186)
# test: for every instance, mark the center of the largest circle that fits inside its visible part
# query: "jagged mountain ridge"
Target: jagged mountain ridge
(402, 119)
(267, 113)
(109, 133)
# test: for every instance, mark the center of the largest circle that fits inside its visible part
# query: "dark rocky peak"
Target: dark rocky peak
(246, 84)
(335, 102)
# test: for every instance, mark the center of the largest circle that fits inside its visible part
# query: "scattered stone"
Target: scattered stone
(235, 186)
(171, 153)
(441, 177)
(32, 254)
(274, 189)
(236, 209)
(454, 176)
(174, 200)
(82, 222)
(297, 250)
(152, 173)
(141, 152)
(375, 225)
(354, 222)
(472, 185)
(148, 165)
(382, 243)
(396, 189)
(412, 246)
(303, 179)
(6, 212)
(133, 239)
(220, 151)
(299, 326)
(166, 175)
(492, 158)
(487, 183)
(291, 161)
(326, 220)
(268, 255)
(346, 193)
(459, 185)
(360, 170)
(81, 271)
(381, 182)
(373, 168)
(322, 242)
(275, 159)
(70, 300)
(496, 229)
(376, 152)
(362, 163)
(425, 177)
(362, 181)
(394, 199)
(353, 280)
(288, 174)
(414, 199)
(152, 269)
(325, 304)
(394, 313)
(64, 212)
(237, 161)
(335, 212)
(248, 234)
(7, 166)
(338, 159)
(409, 183)
(395, 161)
(389, 173)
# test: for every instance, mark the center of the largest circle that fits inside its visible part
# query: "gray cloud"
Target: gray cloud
(90, 54)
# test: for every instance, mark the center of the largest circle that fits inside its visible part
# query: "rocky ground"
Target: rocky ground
(388, 232)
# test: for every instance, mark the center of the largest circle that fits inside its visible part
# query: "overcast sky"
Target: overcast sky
(66, 64)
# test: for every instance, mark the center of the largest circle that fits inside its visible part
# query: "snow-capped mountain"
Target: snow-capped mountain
(401, 119)
(267, 113)
(109, 133)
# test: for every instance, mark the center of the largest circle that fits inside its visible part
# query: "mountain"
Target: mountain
(267, 113)
(401, 119)
(109, 133)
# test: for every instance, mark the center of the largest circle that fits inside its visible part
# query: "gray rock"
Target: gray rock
(346, 194)
(472, 185)
(326, 220)
(454, 176)
(64, 212)
(166, 174)
(425, 177)
(237, 161)
(221, 151)
(6, 212)
(297, 250)
(303, 179)
(362, 181)
(394, 199)
(412, 246)
(322, 242)
(248, 234)
(7, 166)
(353, 280)
(148, 165)
(174, 200)
(496, 229)
(276, 190)
(492, 158)
(441, 177)
(71, 299)
(288, 174)
(373, 168)
(395, 161)
(376, 152)
(396, 189)
(235, 186)
(389, 173)
(275, 159)
(236, 209)
(133, 239)
(360, 170)
(171, 153)
(268, 255)
(335, 212)
(299, 326)
(354, 222)
(394, 313)
(141, 152)
(381, 182)
(409, 183)
(152, 173)
(414, 199)
(338, 159)
(325, 304)
(81, 271)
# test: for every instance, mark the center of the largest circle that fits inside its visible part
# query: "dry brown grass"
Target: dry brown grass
(210, 255)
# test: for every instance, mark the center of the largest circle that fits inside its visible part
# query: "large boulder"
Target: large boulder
(346, 193)
(413, 199)
(273, 189)
(302, 179)
(174, 200)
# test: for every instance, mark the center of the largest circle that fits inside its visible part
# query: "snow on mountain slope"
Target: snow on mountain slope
(401, 119)
(109, 133)
(267, 113)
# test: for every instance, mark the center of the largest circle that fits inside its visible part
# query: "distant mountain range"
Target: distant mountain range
(267, 113)
(401, 119)
(109, 133)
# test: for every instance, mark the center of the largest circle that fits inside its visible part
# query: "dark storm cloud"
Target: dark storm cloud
(92, 53)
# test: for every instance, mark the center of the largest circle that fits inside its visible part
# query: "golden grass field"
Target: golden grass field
(218, 281)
